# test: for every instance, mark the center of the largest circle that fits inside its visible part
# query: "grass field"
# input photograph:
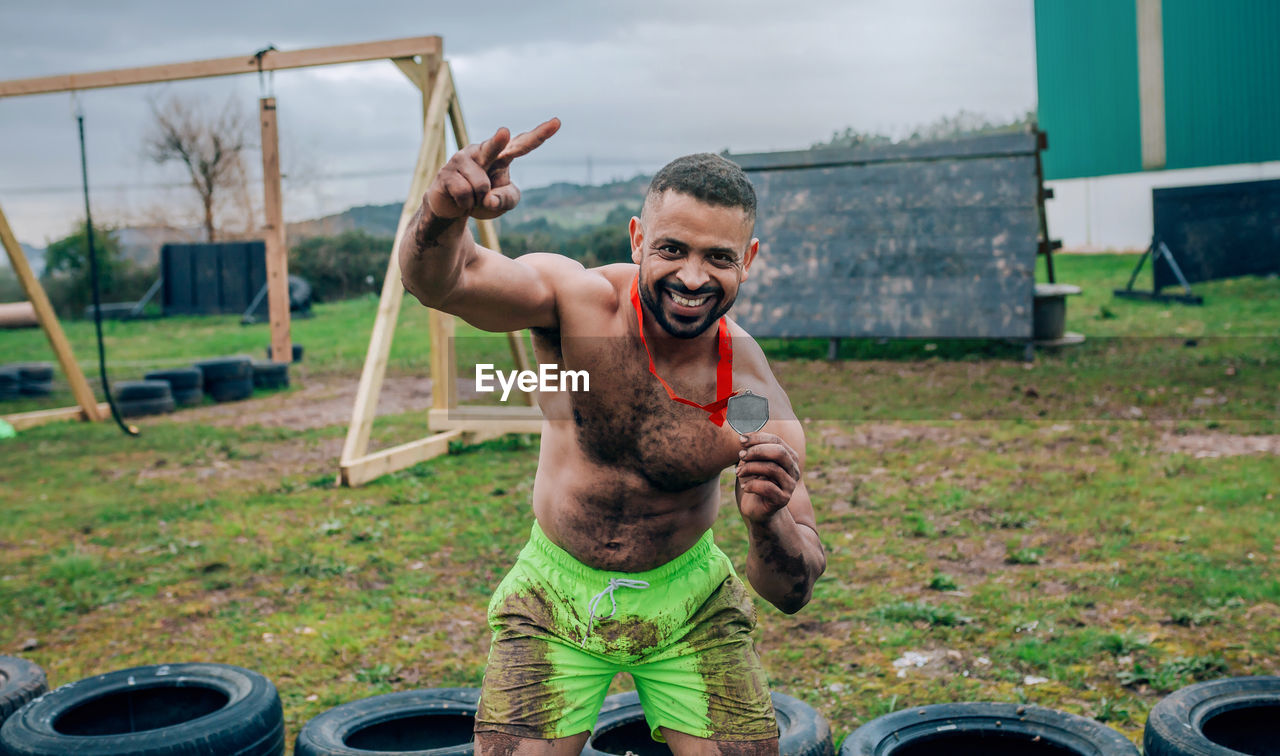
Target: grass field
(1080, 532)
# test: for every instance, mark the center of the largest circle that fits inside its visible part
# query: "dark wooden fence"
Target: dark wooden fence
(1218, 230)
(928, 240)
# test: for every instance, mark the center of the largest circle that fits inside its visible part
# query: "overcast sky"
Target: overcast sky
(635, 83)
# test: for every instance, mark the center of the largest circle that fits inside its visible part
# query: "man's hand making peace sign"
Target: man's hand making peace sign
(444, 268)
(477, 180)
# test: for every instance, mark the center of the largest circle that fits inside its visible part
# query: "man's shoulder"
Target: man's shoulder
(580, 290)
(749, 359)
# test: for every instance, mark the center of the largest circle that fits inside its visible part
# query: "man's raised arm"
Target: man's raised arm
(444, 268)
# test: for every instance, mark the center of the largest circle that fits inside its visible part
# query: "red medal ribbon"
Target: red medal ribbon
(724, 366)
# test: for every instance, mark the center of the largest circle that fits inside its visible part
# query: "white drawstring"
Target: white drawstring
(614, 584)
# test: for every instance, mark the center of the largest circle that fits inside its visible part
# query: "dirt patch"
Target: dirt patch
(882, 435)
(1203, 445)
(319, 403)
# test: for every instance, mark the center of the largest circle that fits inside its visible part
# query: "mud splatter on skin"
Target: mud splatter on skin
(784, 563)
(489, 743)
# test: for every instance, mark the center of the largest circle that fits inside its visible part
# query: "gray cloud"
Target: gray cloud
(635, 84)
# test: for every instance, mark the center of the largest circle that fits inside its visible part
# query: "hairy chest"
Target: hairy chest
(627, 421)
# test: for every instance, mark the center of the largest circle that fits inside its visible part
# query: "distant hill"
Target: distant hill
(571, 206)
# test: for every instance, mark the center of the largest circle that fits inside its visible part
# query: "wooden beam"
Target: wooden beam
(488, 232)
(359, 471)
(49, 322)
(275, 60)
(496, 420)
(413, 70)
(375, 364)
(23, 420)
(274, 234)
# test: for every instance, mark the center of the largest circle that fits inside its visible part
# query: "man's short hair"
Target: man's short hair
(707, 177)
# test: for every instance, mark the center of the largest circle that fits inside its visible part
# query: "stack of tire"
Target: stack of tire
(137, 398)
(25, 379)
(227, 379)
(10, 383)
(159, 710)
(186, 384)
(270, 375)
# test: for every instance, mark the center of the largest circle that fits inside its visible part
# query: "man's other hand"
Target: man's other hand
(768, 471)
(477, 179)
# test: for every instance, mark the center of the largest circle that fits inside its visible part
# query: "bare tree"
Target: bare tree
(210, 148)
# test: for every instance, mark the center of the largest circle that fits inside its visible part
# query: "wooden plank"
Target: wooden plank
(499, 420)
(49, 322)
(412, 69)
(993, 145)
(444, 365)
(23, 420)
(274, 233)
(375, 364)
(488, 232)
(275, 60)
(359, 471)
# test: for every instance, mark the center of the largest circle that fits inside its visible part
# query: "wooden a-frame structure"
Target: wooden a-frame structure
(449, 421)
(421, 59)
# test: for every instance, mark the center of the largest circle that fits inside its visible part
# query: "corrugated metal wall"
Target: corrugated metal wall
(1087, 72)
(1221, 81)
(1221, 76)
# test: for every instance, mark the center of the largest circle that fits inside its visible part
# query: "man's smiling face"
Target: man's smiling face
(692, 256)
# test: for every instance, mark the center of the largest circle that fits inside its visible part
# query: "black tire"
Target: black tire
(621, 728)
(985, 729)
(140, 407)
(1217, 718)
(270, 375)
(35, 372)
(131, 391)
(188, 397)
(9, 377)
(158, 710)
(296, 349)
(433, 722)
(231, 390)
(35, 388)
(20, 681)
(225, 368)
(178, 378)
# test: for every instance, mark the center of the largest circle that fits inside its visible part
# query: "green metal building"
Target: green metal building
(1132, 85)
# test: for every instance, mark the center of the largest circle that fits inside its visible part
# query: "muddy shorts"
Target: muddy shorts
(563, 630)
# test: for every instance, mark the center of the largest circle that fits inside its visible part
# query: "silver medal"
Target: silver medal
(747, 412)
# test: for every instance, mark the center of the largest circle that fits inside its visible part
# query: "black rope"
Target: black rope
(97, 297)
(258, 56)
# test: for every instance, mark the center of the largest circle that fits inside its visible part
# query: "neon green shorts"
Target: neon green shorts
(563, 630)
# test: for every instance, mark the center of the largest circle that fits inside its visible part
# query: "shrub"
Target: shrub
(348, 265)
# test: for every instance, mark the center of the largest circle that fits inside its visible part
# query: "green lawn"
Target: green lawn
(1056, 532)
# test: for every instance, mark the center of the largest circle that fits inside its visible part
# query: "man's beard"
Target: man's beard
(682, 328)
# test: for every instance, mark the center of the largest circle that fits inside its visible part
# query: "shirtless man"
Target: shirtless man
(620, 573)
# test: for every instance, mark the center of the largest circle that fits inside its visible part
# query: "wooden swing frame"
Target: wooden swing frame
(421, 59)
